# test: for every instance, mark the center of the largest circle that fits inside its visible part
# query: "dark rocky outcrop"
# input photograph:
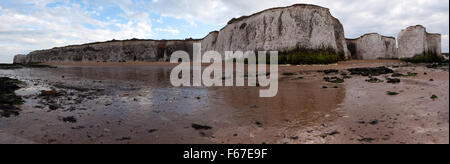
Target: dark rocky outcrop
(377, 71)
(8, 99)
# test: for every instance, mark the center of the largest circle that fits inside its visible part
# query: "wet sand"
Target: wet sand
(135, 103)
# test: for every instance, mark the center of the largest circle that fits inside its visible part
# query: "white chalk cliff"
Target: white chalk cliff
(283, 29)
(278, 29)
(412, 41)
(372, 46)
(128, 50)
(415, 40)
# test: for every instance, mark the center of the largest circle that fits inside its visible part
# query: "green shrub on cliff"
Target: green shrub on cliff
(309, 56)
(428, 57)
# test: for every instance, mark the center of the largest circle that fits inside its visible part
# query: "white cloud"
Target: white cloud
(387, 17)
(169, 30)
(210, 11)
(160, 20)
(6, 52)
(44, 27)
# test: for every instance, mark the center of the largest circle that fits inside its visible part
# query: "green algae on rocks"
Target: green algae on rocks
(8, 99)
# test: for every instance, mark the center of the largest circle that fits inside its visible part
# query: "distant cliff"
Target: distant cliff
(412, 41)
(127, 50)
(20, 59)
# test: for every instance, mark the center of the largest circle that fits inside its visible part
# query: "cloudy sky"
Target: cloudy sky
(40, 24)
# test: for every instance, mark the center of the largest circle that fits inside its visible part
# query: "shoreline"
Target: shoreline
(341, 64)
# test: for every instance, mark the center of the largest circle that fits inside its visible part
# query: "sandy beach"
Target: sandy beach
(135, 103)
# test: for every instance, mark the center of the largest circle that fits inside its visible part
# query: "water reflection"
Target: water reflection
(136, 98)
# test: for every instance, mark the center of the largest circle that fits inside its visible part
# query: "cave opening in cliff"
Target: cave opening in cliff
(160, 51)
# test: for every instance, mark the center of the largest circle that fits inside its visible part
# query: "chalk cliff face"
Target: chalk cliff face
(283, 29)
(20, 58)
(278, 29)
(129, 50)
(434, 43)
(209, 42)
(372, 46)
(415, 40)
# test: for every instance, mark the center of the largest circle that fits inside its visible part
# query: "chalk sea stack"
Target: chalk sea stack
(20, 59)
(372, 46)
(415, 40)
